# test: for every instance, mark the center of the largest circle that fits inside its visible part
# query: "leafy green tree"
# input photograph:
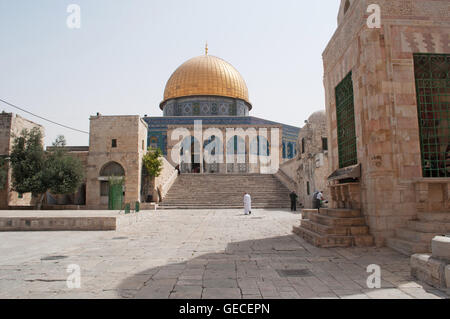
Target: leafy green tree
(35, 171)
(27, 162)
(152, 162)
(64, 172)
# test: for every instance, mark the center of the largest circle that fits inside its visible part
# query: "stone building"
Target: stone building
(312, 172)
(308, 171)
(12, 125)
(209, 90)
(387, 102)
(116, 147)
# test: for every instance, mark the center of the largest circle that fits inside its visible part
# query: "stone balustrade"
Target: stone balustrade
(346, 195)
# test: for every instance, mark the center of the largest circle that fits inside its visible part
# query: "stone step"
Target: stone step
(306, 212)
(334, 221)
(188, 207)
(434, 217)
(341, 231)
(407, 247)
(429, 227)
(256, 193)
(331, 241)
(224, 200)
(223, 203)
(226, 191)
(340, 213)
(412, 235)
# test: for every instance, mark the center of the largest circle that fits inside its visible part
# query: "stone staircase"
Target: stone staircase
(225, 191)
(416, 236)
(335, 228)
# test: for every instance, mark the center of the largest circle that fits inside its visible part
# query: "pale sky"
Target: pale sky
(120, 59)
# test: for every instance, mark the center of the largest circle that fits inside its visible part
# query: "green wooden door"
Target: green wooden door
(115, 200)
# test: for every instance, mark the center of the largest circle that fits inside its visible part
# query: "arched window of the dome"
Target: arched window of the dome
(236, 146)
(190, 150)
(290, 151)
(260, 146)
(153, 142)
(214, 144)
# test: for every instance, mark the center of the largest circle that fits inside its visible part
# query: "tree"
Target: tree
(152, 162)
(27, 162)
(153, 166)
(35, 171)
(64, 172)
(3, 171)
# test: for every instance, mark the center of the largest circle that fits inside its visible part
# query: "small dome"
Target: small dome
(206, 75)
(316, 117)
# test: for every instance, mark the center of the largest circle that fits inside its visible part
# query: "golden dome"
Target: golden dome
(206, 75)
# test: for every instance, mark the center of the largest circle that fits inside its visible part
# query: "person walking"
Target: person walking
(318, 200)
(247, 204)
(293, 197)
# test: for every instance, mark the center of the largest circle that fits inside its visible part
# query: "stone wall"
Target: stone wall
(130, 133)
(165, 181)
(310, 167)
(12, 125)
(381, 61)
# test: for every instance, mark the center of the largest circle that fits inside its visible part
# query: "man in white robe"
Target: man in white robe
(247, 204)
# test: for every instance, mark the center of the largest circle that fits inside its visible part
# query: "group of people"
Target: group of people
(318, 199)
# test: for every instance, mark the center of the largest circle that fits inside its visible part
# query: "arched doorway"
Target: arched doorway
(213, 155)
(111, 179)
(190, 156)
(236, 161)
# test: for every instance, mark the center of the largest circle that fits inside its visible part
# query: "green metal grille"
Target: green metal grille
(433, 102)
(345, 113)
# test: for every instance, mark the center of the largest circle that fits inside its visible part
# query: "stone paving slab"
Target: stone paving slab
(199, 254)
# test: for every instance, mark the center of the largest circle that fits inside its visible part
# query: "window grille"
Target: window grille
(433, 108)
(345, 112)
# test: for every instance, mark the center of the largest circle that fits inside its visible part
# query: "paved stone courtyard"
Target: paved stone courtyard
(198, 254)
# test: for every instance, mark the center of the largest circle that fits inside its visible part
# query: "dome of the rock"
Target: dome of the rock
(206, 76)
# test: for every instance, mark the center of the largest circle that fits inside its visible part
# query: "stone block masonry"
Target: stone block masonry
(388, 140)
(129, 134)
(11, 126)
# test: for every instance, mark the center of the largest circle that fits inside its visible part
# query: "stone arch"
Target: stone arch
(218, 146)
(190, 155)
(236, 146)
(190, 143)
(256, 149)
(112, 169)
